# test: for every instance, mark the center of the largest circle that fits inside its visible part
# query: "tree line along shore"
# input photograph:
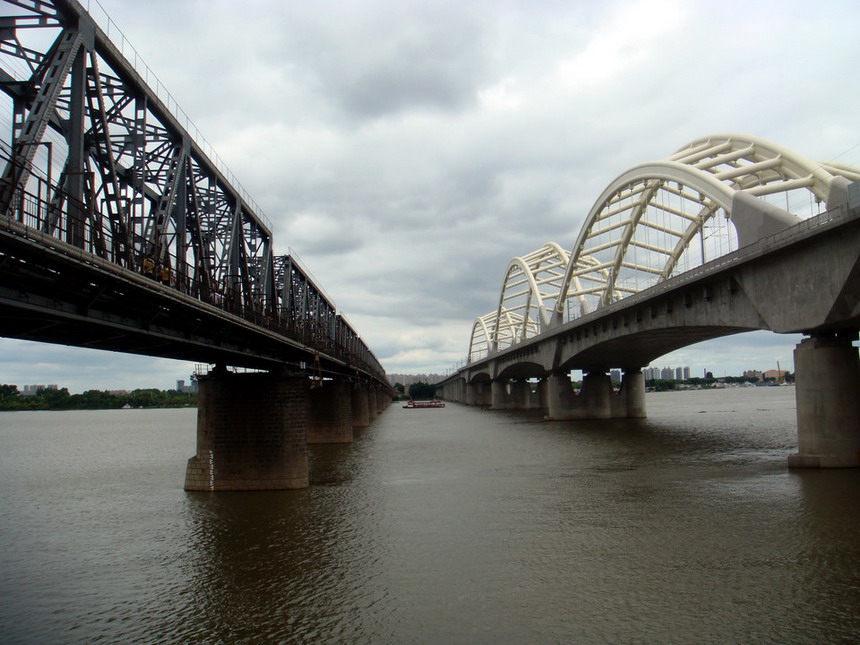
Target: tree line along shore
(60, 399)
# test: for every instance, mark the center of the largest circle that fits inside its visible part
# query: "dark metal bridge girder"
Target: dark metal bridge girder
(98, 165)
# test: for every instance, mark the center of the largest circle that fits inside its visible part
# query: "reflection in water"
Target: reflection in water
(301, 561)
(454, 525)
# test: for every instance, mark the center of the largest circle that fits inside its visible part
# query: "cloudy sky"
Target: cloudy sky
(406, 150)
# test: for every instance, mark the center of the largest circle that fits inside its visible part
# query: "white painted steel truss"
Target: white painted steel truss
(653, 221)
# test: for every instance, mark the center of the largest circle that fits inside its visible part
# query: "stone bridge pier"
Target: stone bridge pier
(253, 429)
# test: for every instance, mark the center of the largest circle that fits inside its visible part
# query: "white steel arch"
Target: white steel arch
(527, 299)
(668, 216)
(495, 331)
(482, 329)
(532, 284)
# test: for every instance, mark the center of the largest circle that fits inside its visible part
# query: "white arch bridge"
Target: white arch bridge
(731, 233)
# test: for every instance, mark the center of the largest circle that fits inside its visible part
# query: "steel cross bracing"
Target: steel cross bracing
(92, 157)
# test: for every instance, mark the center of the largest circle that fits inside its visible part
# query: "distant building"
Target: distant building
(777, 375)
(615, 376)
(181, 387)
(666, 374)
(411, 379)
(758, 375)
(32, 390)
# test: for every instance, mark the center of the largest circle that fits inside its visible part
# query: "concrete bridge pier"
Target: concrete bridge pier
(633, 389)
(458, 391)
(597, 395)
(560, 398)
(522, 397)
(593, 402)
(479, 393)
(251, 432)
(470, 395)
(827, 390)
(499, 397)
(596, 400)
(513, 395)
(360, 411)
(329, 417)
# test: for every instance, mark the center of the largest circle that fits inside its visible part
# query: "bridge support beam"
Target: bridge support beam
(330, 412)
(251, 433)
(827, 390)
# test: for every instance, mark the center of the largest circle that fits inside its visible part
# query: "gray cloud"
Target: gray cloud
(408, 150)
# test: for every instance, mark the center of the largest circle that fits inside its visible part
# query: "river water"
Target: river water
(456, 525)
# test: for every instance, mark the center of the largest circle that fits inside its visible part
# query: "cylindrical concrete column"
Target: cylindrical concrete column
(330, 412)
(597, 390)
(633, 388)
(827, 391)
(251, 433)
(485, 396)
(559, 395)
(360, 415)
(536, 398)
(476, 393)
(520, 395)
(499, 394)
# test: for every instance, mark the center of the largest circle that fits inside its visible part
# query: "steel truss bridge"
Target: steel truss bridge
(655, 221)
(119, 230)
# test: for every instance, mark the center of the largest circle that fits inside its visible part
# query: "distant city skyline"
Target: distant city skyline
(80, 369)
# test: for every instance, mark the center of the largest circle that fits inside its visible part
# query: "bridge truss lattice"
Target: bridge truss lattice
(92, 156)
(654, 221)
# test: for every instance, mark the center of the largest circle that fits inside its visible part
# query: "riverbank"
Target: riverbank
(61, 399)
